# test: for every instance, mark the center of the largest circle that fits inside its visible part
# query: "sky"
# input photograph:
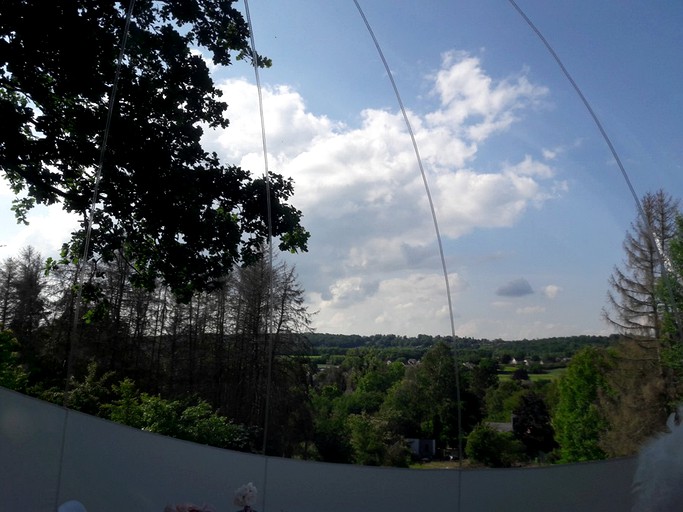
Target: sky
(531, 207)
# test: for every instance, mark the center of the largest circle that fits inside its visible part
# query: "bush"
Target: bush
(12, 374)
(85, 395)
(520, 374)
(195, 422)
(485, 445)
(536, 369)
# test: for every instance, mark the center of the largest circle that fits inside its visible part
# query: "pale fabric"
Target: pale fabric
(109, 468)
(71, 506)
(659, 477)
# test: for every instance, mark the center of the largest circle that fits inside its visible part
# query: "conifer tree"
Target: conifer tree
(634, 304)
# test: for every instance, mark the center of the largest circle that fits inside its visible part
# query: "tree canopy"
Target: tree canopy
(172, 209)
(578, 421)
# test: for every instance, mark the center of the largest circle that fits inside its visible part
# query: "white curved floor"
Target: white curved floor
(110, 468)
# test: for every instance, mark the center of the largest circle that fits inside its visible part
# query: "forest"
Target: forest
(330, 348)
(239, 367)
(204, 370)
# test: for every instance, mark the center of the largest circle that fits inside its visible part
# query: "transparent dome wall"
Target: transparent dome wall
(531, 203)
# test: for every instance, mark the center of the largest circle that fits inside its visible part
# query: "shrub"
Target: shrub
(190, 420)
(486, 445)
(12, 374)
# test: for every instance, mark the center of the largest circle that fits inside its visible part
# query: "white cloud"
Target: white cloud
(507, 330)
(551, 291)
(530, 310)
(347, 291)
(413, 303)
(48, 228)
(362, 194)
(550, 154)
(476, 104)
(290, 127)
(5, 191)
(530, 167)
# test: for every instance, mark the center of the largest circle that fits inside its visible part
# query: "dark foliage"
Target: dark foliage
(531, 424)
(173, 210)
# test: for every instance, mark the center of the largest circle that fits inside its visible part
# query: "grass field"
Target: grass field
(441, 464)
(551, 375)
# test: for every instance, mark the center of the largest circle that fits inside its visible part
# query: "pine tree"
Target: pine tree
(634, 304)
(641, 302)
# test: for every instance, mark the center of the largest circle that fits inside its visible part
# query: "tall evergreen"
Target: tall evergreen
(634, 304)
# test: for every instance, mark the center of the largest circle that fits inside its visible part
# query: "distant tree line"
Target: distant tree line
(469, 349)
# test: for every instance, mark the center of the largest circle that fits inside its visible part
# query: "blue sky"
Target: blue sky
(531, 206)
